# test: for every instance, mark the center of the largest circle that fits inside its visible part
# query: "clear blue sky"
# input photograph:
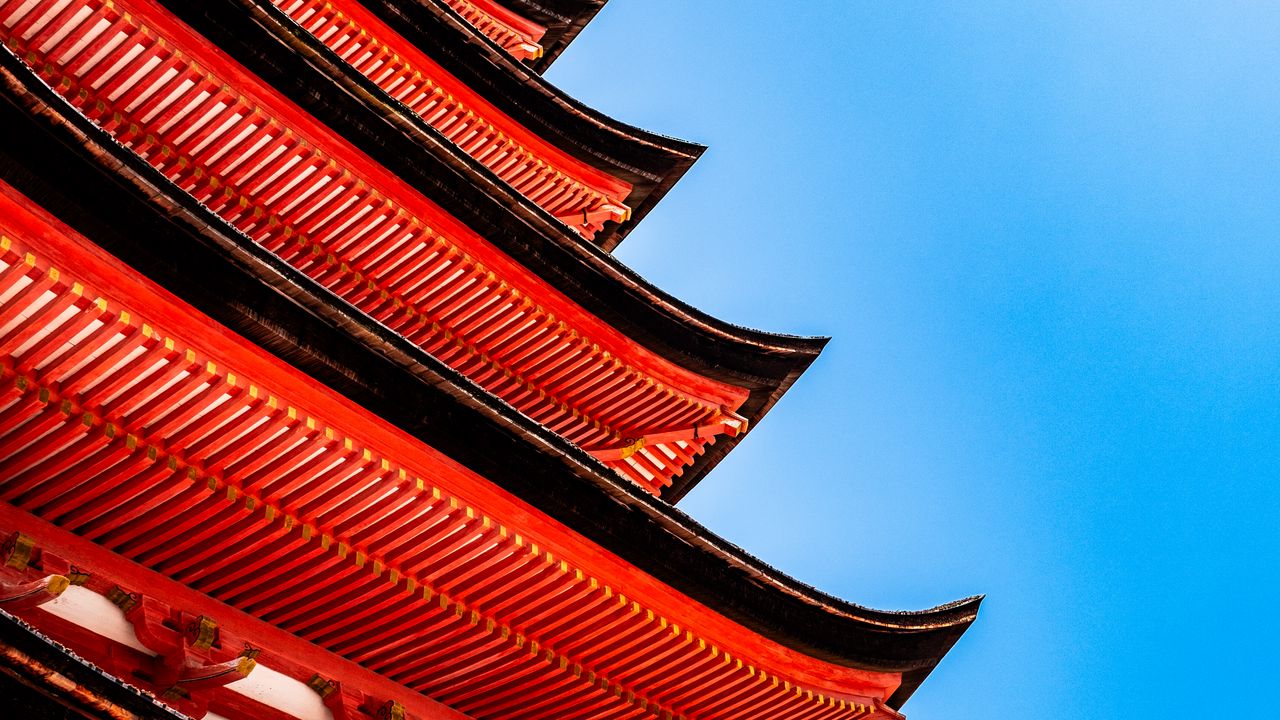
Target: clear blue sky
(1044, 236)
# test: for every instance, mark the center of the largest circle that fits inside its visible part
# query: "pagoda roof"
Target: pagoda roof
(43, 680)
(650, 162)
(563, 19)
(582, 197)
(763, 365)
(75, 170)
(533, 31)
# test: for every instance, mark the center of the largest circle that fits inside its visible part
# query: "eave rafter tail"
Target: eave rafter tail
(513, 33)
(132, 411)
(165, 651)
(236, 146)
(575, 193)
(559, 22)
(650, 162)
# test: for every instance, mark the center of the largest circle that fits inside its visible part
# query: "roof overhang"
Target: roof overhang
(587, 283)
(70, 167)
(563, 19)
(52, 681)
(652, 163)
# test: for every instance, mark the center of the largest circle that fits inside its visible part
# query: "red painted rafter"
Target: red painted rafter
(581, 196)
(168, 655)
(294, 187)
(515, 34)
(135, 424)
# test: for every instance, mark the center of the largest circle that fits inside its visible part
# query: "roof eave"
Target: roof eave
(69, 681)
(651, 162)
(564, 20)
(72, 168)
(273, 47)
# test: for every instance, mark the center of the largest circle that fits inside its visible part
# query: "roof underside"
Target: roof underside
(230, 142)
(395, 381)
(134, 423)
(563, 19)
(534, 32)
(649, 162)
(577, 194)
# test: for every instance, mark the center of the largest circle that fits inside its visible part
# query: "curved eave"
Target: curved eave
(73, 686)
(296, 64)
(60, 160)
(563, 19)
(652, 163)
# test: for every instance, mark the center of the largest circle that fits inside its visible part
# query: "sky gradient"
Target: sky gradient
(1044, 239)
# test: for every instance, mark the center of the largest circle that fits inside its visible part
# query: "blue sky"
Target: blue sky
(1044, 237)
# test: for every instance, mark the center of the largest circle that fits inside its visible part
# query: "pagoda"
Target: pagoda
(322, 396)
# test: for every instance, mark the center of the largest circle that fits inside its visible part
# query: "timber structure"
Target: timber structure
(596, 175)
(308, 410)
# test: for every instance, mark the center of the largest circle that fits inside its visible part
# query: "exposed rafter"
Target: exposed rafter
(579, 195)
(513, 33)
(427, 401)
(307, 196)
(650, 162)
(209, 471)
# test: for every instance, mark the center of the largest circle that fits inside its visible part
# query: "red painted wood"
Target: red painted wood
(281, 651)
(516, 34)
(581, 195)
(28, 594)
(314, 516)
(309, 196)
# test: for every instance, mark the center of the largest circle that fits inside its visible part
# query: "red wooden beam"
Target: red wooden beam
(582, 196)
(282, 651)
(306, 194)
(516, 34)
(327, 522)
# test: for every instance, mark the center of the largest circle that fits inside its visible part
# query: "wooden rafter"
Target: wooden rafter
(116, 424)
(513, 33)
(580, 196)
(309, 197)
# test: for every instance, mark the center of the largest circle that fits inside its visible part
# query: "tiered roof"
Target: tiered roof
(515, 34)
(534, 31)
(581, 196)
(483, 377)
(563, 19)
(650, 163)
(642, 399)
(180, 444)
